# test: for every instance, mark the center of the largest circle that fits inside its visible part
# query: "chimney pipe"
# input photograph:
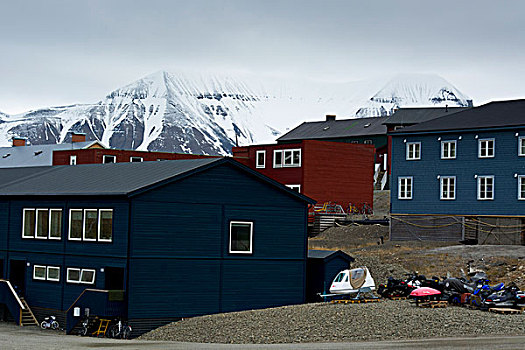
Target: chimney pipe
(78, 137)
(446, 108)
(19, 141)
(330, 117)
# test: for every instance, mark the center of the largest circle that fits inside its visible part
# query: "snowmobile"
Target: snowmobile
(508, 297)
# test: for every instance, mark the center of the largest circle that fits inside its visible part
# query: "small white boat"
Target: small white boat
(352, 281)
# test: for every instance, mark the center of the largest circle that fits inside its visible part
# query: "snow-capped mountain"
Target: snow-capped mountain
(205, 113)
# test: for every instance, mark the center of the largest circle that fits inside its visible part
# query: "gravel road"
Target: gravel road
(326, 322)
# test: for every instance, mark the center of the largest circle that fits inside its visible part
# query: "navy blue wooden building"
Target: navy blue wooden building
(179, 238)
(462, 176)
(321, 269)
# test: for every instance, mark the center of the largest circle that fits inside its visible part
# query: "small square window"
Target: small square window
(241, 237)
(72, 160)
(87, 276)
(486, 148)
(367, 142)
(413, 151)
(73, 275)
(53, 273)
(448, 149)
(292, 158)
(39, 272)
(109, 159)
(404, 188)
(136, 159)
(260, 159)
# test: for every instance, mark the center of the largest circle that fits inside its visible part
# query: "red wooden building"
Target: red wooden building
(325, 171)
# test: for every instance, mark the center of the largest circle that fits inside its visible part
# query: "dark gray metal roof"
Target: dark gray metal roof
(336, 129)
(36, 155)
(323, 254)
(490, 115)
(95, 179)
(410, 116)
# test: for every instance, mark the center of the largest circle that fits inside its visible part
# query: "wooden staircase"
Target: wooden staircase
(377, 184)
(27, 318)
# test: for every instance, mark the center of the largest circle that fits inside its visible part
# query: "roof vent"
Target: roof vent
(367, 125)
(326, 128)
(6, 155)
(38, 152)
(330, 117)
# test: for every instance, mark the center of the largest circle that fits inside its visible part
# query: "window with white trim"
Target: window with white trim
(287, 158)
(404, 188)
(91, 225)
(46, 273)
(486, 148)
(448, 149)
(241, 233)
(72, 160)
(77, 275)
(136, 159)
(485, 187)
(521, 187)
(448, 187)
(109, 159)
(413, 151)
(39, 272)
(42, 223)
(260, 159)
(367, 142)
(521, 146)
(295, 187)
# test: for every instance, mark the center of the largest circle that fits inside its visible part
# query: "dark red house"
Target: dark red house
(325, 171)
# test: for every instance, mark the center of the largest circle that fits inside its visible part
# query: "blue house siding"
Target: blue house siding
(185, 227)
(426, 185)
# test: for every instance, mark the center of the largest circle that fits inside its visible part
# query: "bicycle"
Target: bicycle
(120, 330)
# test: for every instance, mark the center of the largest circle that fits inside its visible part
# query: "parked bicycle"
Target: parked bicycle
(120, 330)
(49, 322)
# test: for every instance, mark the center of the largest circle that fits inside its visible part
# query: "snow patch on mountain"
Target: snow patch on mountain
(210, 113)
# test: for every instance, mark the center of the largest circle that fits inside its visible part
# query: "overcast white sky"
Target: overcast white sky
(63, 52)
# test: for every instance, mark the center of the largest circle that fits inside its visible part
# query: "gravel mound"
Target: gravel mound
(326, 322)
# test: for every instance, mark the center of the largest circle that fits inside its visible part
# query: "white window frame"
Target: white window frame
(73, 160)
(275, 164)
(479, 187)
(521, 180)
(133, 159)
(99, 224)
(408, 146)
(69, 230)
(49, 229)
(34, 272)
(292, 164)
(108, 156)
(36, 223)
(230, 238)
(367, 142)
(441, 187)
(53, 279)
(24, 223)
(263, 165)
(481, 141)
(448, 156)
(521, 140)
(293, 187)
(82, 274)
(73, 269)
(401, 179)
(84, 226)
